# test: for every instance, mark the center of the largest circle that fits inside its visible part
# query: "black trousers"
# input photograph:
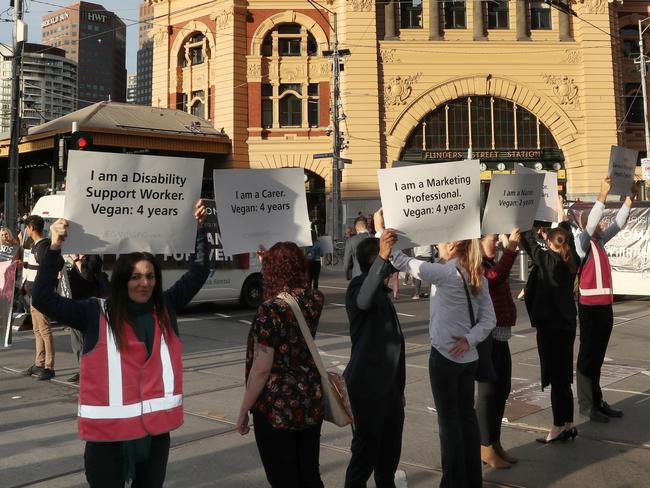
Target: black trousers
(555, 347)
(492, 395)
(290, 457)
(376, 439)
(104, 464)
(452, 385)
(596, 323)
(313, 272)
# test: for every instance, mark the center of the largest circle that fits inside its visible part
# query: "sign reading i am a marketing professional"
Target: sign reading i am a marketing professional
(120, 203)
(431, 203)
(261, 207)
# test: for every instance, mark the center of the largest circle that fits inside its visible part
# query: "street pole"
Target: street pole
(336, 140)
(644, 89)
(11, 200)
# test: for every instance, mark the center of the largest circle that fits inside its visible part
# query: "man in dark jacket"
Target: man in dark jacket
(376, 373)
(350, 262)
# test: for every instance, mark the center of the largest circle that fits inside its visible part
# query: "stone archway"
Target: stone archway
(549, 113)
(288, 16)
(187, 30)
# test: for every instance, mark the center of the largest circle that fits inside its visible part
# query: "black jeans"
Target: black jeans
(555, 347)
(376, 440)
(313, 272)
(596, 323)
(452, 385)
(492, 395)
(290, 457)
(104, 464)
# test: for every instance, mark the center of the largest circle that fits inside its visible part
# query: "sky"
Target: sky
(35, 10)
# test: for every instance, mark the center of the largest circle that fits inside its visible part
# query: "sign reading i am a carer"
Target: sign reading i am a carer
(432, 203)
(120, 203)
(261, 207)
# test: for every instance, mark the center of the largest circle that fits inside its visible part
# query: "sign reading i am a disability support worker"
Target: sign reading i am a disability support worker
(547, 208)
(120, 203)
(261, 207)
(512, 202)
(622, 164)
(431, 203)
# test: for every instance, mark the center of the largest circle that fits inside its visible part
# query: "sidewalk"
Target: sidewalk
(39, 446)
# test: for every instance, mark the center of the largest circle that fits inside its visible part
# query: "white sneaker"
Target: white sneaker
(400, 479)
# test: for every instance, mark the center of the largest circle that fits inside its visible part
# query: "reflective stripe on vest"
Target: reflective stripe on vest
(116, 409)
(129, 394)
(593, 284)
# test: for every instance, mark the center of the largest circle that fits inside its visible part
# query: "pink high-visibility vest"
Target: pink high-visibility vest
(596, 278)
(124, 395)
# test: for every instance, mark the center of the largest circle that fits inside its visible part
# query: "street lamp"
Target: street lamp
(644, 89)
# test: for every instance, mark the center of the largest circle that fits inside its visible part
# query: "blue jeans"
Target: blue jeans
(452, 385)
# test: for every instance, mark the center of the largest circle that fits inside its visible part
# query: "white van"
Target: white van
(232, 278)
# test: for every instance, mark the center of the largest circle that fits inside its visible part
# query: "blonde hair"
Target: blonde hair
(470, 258)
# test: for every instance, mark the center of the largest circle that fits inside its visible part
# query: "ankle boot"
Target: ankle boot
(491, 458)
(505, 455)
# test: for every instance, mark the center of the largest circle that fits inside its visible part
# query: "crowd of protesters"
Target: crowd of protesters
(131, 321)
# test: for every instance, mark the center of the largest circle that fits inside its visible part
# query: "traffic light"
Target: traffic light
(81, 141)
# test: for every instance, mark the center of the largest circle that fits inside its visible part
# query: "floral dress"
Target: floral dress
(292, 397)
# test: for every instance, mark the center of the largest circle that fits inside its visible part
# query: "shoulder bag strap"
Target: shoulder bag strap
(309, 340)
(469, 300)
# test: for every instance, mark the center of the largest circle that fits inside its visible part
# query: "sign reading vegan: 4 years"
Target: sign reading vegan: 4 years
(120, 203)
(261, 207)
(432, 203)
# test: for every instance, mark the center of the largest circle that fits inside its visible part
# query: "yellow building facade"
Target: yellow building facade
(426, 80)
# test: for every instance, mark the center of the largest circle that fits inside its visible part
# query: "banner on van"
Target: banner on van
(261, 207)
(120, 203)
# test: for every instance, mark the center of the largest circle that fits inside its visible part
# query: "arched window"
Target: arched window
(198, 109)
(482, 123)
(630, 41)
(195, 51)
(288, 99)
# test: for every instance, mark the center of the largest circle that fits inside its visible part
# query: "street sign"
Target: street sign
(345, 160)
(323, 155)
(645, 168)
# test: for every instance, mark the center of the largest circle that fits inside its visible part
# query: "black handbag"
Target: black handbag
(485, 370)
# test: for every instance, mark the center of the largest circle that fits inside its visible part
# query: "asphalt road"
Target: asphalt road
(39, 445)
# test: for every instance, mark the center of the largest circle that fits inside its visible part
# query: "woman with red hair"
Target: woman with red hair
(283, 386)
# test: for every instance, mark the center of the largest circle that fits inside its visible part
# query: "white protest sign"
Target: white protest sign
(547, 208)
(512, 202)
(622, 164)
(120, 203)
(431, 203)
(261, 207)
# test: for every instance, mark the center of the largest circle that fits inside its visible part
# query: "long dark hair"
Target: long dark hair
(284, 268)
(559, 238)
(118, 295)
